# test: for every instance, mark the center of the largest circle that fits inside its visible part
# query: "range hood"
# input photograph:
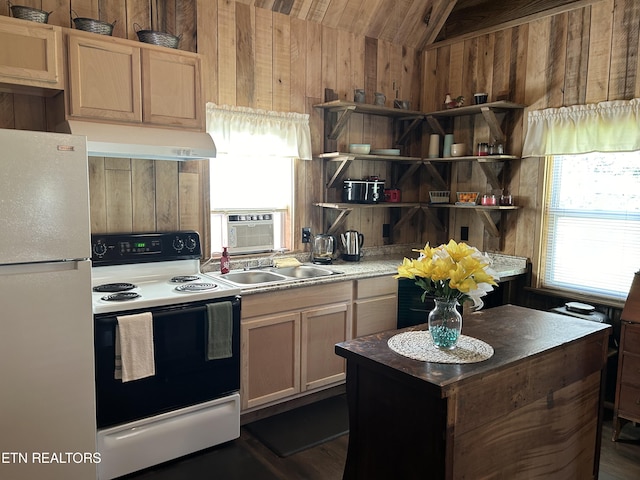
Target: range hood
(126, 141)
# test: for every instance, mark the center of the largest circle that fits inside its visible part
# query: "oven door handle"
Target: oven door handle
(159, 312)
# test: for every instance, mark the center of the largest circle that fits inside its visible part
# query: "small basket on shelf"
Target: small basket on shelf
(467, 198)
(29, 13)
(153, 37)
(439, 196)
(92, 25)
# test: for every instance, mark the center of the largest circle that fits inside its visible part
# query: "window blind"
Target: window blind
(592, 235)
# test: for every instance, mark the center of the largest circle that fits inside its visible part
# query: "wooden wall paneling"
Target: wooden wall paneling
(429, 77)
(28, 112)
(412, 24)
(97, 195)
(245, 56)
(190, 217)
(59, 10)
(207, 45)
(137, 12)
(167, 195)
(7, 116)
(111, 11)
(333, 13)
(624, 50)
(367, 11)
(281, 63)
(143, 191)
(600, 34)
(330, 60)
(298, 70)
(118, 195)
(394, 19)
(557, 60)
(537, 65)
(317, 10)
(186, 24)
(575, 88)
(484, 71)
(384, 83)
(264, 59)
(371, 69)
(501, 65)
(313, 68)
(226, 52)
(395, 72)
(469, 68)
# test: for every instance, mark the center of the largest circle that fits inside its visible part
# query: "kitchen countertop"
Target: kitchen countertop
(374, 263)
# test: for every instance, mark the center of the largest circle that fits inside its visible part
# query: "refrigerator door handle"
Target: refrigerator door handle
(39, 267)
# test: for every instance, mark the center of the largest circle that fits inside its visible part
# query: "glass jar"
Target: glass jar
(483, 149)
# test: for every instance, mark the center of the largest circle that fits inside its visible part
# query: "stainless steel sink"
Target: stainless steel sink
(253, 277)
(304, 271)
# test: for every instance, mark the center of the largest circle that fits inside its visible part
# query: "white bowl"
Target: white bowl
(360, 148)
(458, 149)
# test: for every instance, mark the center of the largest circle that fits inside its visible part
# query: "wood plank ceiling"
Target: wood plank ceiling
(418, 23)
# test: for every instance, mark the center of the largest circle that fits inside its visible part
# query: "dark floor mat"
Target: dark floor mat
(229, 461)
(304, 427)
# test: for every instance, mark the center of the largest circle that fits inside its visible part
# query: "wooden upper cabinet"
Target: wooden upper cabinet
(172, 89)
(105, 80)
(126, 81)
(31, 56)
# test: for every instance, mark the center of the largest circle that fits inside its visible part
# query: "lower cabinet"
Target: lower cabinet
(375, 305)
(627, 406)
(288, 339)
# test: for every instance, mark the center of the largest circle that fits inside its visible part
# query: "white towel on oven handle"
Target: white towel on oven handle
(134, 347)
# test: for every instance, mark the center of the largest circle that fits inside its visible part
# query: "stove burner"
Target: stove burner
(196, 287)
(185, 278)
(120, 296)
(114, 287)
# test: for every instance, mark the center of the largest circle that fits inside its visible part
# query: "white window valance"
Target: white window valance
(601, 127)
(248, 132)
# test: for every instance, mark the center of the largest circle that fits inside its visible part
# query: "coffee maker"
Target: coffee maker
(324, 246)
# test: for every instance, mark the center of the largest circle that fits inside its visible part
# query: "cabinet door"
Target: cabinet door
(374, 315)
(270, 358)
(322, 328)
(104, 79)
(172, 89)
(31, 54)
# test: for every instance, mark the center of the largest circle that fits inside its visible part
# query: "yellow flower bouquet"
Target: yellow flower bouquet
(454, 271)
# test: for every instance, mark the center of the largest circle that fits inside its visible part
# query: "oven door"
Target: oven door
(183, 376)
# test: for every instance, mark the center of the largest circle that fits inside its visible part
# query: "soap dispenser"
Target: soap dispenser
(224, 261)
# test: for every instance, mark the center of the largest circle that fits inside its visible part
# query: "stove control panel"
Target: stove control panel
(120, 249)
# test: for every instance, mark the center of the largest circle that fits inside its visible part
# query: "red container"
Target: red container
(391, 195)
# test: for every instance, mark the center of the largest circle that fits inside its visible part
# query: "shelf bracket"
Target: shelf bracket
(340, 172)
(435, 125)
(415, 121)
(490, 117)
(342, 216)
(408, 174)
(433, 218)
(490, 225)
(435, 175)
(344, 113)
(492, 178)
(406, 217)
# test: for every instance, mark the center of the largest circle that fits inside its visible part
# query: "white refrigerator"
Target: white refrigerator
(47, 399)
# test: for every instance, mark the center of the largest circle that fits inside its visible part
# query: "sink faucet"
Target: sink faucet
(259, 262)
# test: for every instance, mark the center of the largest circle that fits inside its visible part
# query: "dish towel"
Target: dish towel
(134, 347)
(220, 325)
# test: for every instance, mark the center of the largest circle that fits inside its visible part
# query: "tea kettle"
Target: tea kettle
(324, 246)
(352, 241)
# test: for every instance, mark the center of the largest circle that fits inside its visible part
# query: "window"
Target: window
(253, 174)
(260, 185)
(591, 243)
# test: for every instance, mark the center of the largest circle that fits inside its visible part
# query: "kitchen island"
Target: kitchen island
(532, 410)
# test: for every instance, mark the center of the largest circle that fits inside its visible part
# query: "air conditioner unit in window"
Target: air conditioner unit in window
(250, 232)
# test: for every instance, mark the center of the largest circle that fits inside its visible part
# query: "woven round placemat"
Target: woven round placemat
(419, 346)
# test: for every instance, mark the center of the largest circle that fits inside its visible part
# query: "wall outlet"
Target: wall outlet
(306, 235)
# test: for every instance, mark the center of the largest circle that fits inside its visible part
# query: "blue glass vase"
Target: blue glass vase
(445, 323)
